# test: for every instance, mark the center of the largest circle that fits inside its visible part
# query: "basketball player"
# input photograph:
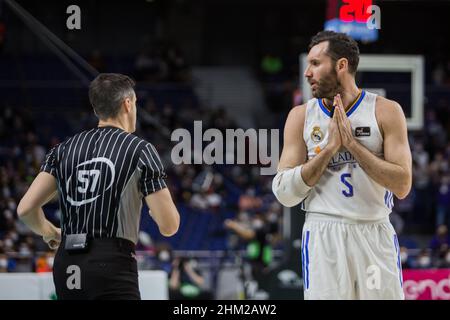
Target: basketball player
(101, 177)
(345, 156)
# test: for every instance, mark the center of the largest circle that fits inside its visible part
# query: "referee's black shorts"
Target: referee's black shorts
(107, 270)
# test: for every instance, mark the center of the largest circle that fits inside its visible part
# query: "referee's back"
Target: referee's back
(102, 176)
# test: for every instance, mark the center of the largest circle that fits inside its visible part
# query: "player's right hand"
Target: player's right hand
(334, 136)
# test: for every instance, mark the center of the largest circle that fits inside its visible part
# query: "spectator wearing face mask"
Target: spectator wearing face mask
(440, 243)
(405, 258)
(423, 260)
(443, 201)
(164, 257)
(446, 261)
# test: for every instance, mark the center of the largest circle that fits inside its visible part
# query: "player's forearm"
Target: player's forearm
(36, 221)
(390, 175)
(314, 168)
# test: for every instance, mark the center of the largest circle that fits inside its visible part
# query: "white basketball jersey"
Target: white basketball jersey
(344, 188)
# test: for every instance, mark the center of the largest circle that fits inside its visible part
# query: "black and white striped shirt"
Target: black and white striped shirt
(102, 176)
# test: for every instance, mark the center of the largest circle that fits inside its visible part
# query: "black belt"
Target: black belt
(106, 243)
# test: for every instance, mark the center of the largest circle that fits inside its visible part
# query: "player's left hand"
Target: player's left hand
(344, 126)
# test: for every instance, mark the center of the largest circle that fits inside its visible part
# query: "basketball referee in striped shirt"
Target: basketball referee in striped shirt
(101, 176)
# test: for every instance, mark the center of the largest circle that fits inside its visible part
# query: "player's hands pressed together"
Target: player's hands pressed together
(334, 137)
(343, 123)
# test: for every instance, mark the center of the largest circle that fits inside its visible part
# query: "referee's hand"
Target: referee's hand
(53, 240)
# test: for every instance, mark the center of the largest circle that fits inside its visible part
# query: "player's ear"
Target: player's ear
(342, 65)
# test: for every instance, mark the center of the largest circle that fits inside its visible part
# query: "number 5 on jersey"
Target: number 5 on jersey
(344, 179)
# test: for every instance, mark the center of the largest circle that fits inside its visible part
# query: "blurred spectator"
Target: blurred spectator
(405, 258)
(443, 201)
(178, 68)
(186, 281)
(397, 221)
(44, 263)
(440, 244)
(257, 234)
(441, 72)
(435, 130)
(446, 262)
(164, 257)
(249, 201)
(419, 155)
(423, 260)
(271, 66)
(149, 67)
(200, 201)
(3, 263)
(421, 186)
(438, 167)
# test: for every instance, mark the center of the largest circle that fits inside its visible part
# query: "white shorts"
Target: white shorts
(348, 259)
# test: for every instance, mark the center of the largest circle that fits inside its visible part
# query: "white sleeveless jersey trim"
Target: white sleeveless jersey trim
(344, 188)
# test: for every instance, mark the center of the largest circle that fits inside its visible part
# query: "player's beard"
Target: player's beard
(328, 86)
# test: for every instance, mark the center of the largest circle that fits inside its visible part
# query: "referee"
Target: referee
(101, 176)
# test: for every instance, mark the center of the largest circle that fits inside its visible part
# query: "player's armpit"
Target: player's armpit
(163, 211)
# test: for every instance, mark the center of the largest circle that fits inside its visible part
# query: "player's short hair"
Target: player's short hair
(107, 93)
(340, 45)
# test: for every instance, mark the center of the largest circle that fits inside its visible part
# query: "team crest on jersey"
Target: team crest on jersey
(317, 135)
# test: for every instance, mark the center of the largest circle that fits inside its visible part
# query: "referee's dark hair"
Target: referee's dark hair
(107, 92)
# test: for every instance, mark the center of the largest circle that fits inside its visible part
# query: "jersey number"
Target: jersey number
(83, 178)
(349, 191)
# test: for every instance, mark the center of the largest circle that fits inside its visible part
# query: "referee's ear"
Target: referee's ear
(128, 104)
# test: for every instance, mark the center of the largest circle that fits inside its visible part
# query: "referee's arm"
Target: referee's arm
(164, 212)
(30, 210)
(42, 190)
(157, 196)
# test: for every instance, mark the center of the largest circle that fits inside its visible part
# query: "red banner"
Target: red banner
(426, 284)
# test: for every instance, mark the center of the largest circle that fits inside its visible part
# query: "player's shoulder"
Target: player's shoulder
(386, 106)
(298, 112)
(295, 120)
(389, 114)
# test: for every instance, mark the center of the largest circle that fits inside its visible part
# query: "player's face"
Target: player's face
(321, 72)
